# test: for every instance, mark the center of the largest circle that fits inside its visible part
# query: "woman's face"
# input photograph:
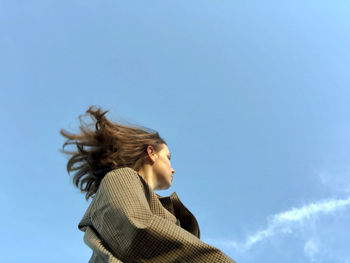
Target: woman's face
(162, 168)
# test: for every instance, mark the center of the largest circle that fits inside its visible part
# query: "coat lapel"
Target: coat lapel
(187, 220)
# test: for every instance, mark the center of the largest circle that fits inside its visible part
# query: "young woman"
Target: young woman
(119, 167)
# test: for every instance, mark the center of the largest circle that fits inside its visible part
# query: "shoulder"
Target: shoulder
(121, 175)
(120, 180)
(120, 186)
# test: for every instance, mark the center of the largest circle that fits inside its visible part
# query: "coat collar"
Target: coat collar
(173, 204)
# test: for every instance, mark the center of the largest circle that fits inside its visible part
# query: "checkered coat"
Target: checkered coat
(127, 222)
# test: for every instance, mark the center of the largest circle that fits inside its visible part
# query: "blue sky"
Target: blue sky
(252, 98)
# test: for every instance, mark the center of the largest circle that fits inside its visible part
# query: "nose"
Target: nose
(172, 171)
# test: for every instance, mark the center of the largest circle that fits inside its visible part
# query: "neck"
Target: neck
(147, 174)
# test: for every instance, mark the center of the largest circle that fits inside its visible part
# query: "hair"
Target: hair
(104, 146)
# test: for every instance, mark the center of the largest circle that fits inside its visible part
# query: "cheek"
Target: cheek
(166, 163)
(163, 164)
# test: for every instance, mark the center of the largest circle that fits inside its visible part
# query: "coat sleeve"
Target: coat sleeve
(123, 219)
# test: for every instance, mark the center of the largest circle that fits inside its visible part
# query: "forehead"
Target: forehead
(166, 149)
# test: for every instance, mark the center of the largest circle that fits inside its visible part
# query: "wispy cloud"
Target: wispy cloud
(337, 181)
(311, 248)
(284, 222)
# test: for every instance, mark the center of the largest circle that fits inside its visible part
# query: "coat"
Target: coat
(127, 222)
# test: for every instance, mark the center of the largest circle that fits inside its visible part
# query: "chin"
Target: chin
(166, 187)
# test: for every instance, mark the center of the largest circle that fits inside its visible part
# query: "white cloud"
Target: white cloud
(336, 180)
(323, 238)
(286, 222)
(311, 248)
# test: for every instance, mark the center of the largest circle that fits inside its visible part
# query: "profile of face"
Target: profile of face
(162, 168)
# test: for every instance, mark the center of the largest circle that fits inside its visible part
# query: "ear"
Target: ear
(152, 155)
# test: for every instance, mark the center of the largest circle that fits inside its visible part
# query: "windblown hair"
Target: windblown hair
(103, 146)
